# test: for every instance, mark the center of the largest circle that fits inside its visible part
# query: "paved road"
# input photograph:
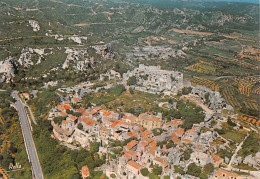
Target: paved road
(28, 139)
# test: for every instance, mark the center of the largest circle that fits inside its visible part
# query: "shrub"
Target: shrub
(193, 170)
(157, 170)
(144, 171)
(208, 168)
(80, 126)
(178, 169)
(131, 81)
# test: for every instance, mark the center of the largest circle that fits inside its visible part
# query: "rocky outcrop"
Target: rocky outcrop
(78, 58)
(35, 25)
(7, 69)
(30, 56)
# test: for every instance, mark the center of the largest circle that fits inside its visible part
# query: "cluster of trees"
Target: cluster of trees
(195, 170)
(43, 103)
(251, 145)
(11, 138)
(131, 81)
(191, 114)
(58, 161)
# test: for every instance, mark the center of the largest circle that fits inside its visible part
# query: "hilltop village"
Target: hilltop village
(137, 145)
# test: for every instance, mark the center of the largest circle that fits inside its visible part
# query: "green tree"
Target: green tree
(80, 126)
(157, 170)
(144, 171)
(208, 168)
(131, 81)
(59, 119)
(194, 170)
(178, 169)
(131, 91)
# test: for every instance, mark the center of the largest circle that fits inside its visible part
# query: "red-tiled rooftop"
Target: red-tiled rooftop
(160, 160)
(179, 131)
(131, 144)
(88, 121)
(146, 132)
(134, 164)
(74, 118)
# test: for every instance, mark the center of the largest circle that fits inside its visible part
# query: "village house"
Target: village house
(26, 96)
(133, 167)
(224, 174)
(69, 123)
(150, 121)
(75, 100)
(85, 173)
(159, 161)
(131, 145)
(200, 158)
(216, 160)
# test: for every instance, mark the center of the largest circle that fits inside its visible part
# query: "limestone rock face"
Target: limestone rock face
(7, 69)
(78, 58)
(35, 25)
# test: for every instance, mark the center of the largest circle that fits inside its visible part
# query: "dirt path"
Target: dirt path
(235, 154)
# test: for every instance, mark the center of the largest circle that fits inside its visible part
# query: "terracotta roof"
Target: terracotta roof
(77, 100)
(97, 108)
(104, 129)
(126, 155)
(65, 122)
(152, 118)
(88, 121)
(216, 157)
(153, 144)
(148, 140)
(152, 151)
(164, 164)
(63, 107)
(258, 123)
(105, 118)
(190, 130)
(186, 141)
(197, 147)
(85, 171)
(173, 135)
(134, 164)
(145, 133)
(254, 121)
(82, 111)
(220, 172)
(172, 123)
(74, 118)
(179, 131)
(131, 152)
(63, 114)
(143, 114)
(132, 134)
(115, 124)
(175, 139)
(143, 143)
(102, 176)
(66, 102)
(131, 144)
(26, 95)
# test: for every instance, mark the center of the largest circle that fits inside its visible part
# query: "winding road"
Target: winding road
(28, 139)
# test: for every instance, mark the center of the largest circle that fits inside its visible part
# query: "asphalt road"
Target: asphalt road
(28, 139)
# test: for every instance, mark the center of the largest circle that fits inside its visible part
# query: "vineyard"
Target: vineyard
(229, 93)
(203, 67)
(251, 119)
(205, 82)
(248, 86)
(251, 105)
